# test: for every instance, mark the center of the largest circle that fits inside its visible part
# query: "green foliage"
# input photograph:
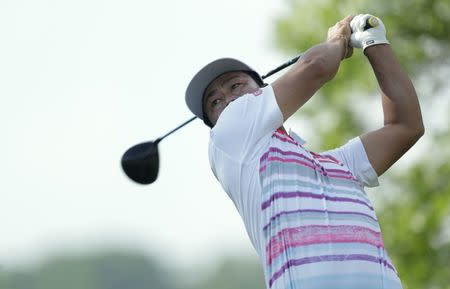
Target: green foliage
(419, 30)
(416, 220)
(415, 226)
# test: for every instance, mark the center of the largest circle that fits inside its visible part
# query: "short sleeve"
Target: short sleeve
(354, 156)
(246, 123)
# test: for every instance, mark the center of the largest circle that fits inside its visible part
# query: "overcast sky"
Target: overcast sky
(80, 82)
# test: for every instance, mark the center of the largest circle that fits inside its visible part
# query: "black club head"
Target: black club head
(141, 162)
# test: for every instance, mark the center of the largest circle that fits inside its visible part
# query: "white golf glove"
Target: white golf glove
(361, 38)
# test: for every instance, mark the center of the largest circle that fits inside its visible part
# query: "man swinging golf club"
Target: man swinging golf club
(306, 213)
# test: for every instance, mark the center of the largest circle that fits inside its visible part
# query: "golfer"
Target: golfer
(306, 213)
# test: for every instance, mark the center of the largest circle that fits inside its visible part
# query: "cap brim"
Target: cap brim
(198, 84)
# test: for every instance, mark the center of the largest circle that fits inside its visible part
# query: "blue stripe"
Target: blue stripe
(340, 259)
(294, 168)
(347, 281)
(285, 196)
(352, 191)
(325, 249)
(291, 219)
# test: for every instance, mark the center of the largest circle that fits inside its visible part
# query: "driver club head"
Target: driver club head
(141, 162)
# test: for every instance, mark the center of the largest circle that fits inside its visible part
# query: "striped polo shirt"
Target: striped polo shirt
(318, 225)
(306, 213)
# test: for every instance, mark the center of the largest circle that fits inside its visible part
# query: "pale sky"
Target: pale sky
(80, 82)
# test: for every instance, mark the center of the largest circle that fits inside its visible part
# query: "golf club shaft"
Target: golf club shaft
(174, 130)
(282, 66)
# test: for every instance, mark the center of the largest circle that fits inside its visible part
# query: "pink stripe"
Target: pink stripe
(323, 171)
(281, 131)
(310, 235)
(332, 158)
(327, 158)
(283, 139)
(262, 168)
(291, 161)
(265, 158)
(341, 177)
(284, 153)
(329, 162)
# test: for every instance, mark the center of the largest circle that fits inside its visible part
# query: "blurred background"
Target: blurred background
(81, 81)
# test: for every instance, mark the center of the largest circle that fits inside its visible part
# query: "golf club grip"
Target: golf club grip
(371, 22)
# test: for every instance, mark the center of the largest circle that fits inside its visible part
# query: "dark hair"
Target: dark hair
(253, 75)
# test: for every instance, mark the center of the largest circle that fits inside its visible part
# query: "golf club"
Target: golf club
(141, 162)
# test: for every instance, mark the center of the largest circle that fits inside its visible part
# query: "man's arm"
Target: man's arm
(402, 117)
(317, 66)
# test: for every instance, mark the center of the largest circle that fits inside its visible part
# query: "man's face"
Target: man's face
(223, 90)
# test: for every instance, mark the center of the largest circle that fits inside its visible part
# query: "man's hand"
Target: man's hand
(362, 38)
(341, 31)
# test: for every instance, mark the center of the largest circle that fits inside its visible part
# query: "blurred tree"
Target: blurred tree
(414, 208)
(16, 280)
(113, 270)
(125, 270)
(235, 273)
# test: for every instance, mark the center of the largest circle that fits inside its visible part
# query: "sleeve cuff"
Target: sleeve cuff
(368, 175)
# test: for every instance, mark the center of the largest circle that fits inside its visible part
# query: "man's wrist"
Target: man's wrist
(371, 50)
(342, 41)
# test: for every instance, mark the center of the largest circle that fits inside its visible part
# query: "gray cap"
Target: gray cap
(198, 84)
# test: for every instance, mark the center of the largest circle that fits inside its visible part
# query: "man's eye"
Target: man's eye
(215, 102)
(236, 85)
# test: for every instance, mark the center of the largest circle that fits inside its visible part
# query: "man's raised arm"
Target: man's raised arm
(403, 124)
(317, 66)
